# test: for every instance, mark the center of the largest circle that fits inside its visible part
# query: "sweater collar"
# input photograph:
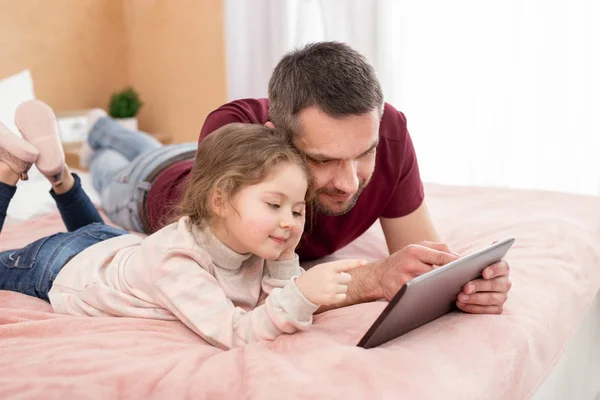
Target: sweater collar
(221, 255)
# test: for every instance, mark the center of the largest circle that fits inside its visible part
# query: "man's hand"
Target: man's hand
(408, 263)
(487, 295)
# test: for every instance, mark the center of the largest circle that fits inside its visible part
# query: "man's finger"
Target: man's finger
(347, 265)
(500, 284)
(440, 247)
(475, 309)
(483, 299)
(499, 269)
(434, 257)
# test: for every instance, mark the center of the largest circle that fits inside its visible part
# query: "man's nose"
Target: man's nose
(346, 178)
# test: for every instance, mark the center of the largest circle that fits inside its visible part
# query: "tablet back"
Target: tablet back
(431, 295)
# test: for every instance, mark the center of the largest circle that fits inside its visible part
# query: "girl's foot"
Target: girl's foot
(16, 154)
(37, 122)
(66, 182)
(7, 175)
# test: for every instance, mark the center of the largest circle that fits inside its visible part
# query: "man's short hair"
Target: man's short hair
(332, 76)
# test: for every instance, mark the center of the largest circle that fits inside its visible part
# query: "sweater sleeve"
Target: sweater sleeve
(279, 273)
(194, 296)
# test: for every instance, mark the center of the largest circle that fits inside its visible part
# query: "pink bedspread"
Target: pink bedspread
(555, 269)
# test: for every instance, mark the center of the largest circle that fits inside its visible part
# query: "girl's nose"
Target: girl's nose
(285, 223)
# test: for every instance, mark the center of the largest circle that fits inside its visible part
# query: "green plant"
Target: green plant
(124, 104)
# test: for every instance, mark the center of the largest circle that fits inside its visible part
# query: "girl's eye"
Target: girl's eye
(297, 214)
(274, 206)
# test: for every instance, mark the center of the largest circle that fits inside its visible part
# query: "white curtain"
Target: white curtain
(497, 93)
(259, 32)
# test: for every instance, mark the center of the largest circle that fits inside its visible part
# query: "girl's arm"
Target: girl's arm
(277, 274)
(195, 297)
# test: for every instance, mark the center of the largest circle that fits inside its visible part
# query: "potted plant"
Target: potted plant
(124, 106)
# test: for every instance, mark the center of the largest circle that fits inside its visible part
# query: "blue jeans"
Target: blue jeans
(122, 165)
(32, 269)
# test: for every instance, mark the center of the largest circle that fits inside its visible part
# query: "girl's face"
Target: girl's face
(268, 217)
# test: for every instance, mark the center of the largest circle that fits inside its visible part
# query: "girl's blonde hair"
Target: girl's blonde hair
(231, 158)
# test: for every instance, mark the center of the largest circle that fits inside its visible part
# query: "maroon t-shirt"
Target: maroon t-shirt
(395, 189)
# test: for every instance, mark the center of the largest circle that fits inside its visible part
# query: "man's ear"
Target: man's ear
(269, 124)
(218, 202)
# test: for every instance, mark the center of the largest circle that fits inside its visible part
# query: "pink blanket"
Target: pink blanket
(555, 269)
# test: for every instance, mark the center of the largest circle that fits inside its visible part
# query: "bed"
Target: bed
(546, 344)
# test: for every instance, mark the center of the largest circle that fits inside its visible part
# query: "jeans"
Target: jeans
(6, 194)
(32, 269)
(120, 167)
(75, 207)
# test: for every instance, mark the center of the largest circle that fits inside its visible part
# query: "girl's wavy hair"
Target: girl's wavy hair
(231, 158)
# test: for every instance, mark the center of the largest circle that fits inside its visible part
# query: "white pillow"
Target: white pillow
(14, 90)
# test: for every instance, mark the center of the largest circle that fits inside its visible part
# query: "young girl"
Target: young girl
(226, 268)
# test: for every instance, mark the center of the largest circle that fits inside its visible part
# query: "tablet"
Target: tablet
(431, 295)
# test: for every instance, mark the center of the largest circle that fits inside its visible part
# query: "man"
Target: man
(363, 166)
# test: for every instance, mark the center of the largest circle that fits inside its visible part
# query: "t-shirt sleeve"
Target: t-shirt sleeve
(408, 194)
(222, 116)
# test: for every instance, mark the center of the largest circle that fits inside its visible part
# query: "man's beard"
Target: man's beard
(323, 209)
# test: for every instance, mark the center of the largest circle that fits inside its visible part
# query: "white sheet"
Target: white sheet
(32, 198)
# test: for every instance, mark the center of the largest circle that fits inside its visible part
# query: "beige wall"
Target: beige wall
(80, 51)
(74, 49)
(177, 61)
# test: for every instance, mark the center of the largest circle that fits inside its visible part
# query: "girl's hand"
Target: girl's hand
(288, 252)
(326, 284)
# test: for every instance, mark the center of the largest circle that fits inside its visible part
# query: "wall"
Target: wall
(80, 51)
(74, 49)
(177, 62)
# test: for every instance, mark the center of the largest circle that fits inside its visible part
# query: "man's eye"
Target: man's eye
(320, 162)
(369, 153)
(274, 206)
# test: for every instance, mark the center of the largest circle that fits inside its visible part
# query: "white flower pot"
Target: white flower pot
(128, 123)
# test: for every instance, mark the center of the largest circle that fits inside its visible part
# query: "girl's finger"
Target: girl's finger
(338, 298)
(341, 289)
(347, 265)
(343, 278)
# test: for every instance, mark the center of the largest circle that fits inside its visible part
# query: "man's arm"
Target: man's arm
(382, 279)
(400, 232)
(480, 296)
(413, 228)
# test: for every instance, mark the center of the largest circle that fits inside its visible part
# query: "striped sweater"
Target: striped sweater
(185, 273)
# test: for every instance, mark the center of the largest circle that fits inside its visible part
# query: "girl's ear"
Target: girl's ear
(218, 202)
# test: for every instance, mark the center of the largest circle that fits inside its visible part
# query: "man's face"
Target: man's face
(341, 156)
